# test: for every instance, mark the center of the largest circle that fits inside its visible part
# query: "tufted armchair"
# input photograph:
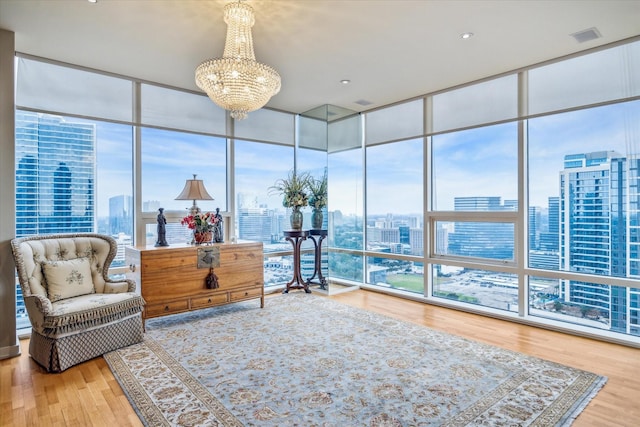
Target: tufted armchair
(76, 311)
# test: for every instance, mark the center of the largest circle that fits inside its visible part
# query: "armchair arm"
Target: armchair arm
(120, 286)
(38, 307)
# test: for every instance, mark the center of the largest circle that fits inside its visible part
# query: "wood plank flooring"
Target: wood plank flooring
(89, 395)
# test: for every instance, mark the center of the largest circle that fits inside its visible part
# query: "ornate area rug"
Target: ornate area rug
(305, 360)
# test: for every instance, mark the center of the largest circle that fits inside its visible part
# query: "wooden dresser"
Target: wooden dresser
(172, 279)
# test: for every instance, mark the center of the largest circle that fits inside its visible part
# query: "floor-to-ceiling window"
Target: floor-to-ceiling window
(346, 199)
(582, 192)
(394, 199)
(474, 183)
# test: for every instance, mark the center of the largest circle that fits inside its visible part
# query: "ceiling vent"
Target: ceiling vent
(586, 35)
(363, 102)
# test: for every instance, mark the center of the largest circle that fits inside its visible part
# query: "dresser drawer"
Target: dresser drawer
(210, 300)
(167, 308)
(246, 294)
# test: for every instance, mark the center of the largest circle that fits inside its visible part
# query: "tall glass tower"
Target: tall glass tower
(593, 238)
(55, 175)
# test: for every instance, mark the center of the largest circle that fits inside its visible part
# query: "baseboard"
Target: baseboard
(11, 351)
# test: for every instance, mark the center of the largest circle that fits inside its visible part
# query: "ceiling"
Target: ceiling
(390, 50)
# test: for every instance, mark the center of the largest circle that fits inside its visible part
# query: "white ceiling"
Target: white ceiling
(391, 50)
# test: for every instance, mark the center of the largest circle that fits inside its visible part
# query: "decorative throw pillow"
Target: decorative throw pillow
(66, 279)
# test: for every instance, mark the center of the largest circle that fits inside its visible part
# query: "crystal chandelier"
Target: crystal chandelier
(237, 82)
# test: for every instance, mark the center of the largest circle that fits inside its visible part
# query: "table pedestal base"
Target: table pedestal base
(317, 270)
(297, 282)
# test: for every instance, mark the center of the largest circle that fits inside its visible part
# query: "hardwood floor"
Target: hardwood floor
(89, 395)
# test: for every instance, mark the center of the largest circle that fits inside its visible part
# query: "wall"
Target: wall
(9, 346)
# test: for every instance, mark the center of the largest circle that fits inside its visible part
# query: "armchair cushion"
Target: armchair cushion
(67, 279)
(87, 311)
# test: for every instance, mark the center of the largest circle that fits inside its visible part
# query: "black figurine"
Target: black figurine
(218, 231)
(162, 229)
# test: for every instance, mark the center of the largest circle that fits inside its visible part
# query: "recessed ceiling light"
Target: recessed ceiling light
(345, 81)
(466, 35)
(92, 1)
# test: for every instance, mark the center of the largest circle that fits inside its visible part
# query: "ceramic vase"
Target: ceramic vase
(296, 218)
(316, 219)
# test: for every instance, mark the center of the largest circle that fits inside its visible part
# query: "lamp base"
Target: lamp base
(194, 210)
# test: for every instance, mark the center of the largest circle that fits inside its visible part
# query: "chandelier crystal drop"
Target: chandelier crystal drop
(237, 82)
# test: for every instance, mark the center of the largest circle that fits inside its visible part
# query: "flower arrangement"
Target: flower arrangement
(318, 192)
(293, 189)
(200, 222)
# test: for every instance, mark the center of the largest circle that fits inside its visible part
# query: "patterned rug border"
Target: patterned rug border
(204, 405)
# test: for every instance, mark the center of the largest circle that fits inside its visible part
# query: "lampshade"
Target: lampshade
(194, 190)
(237, 82)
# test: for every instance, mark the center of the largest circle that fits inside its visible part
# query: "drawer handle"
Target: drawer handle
(166, 308)
(209, 301)
(246, 294)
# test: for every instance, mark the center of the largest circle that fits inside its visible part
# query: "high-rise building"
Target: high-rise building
(55, 175)
(550, 239)
(534, 227)
(544, 237)
(481, 239)
(594, 231)
(633, 239)
(121, 215)
(257, 224)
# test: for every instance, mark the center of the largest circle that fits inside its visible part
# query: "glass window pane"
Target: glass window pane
(55, 174)
(346, 199)
(486, 102)
(597, 77)
(66, 90)
(278, 270)
(584, 213)
(394, 197)
(474, 169)
(260, 215)
(583, 191)
(177, 109)
(346, 267)
(586, 304)
(267, 125)
(477, 287)
(475, 239)
(396, 274)
(313, 162)
(170, 158)
(397, 122)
